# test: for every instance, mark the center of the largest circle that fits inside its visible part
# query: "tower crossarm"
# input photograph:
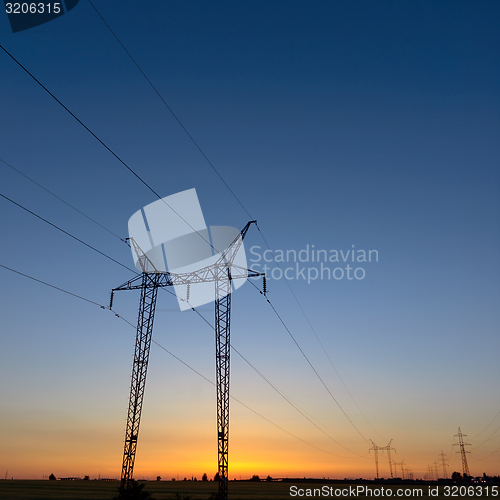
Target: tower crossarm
(143, 260)
(244, 231)
(207, 274)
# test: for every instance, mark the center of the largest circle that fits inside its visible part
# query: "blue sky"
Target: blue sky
(336, 124)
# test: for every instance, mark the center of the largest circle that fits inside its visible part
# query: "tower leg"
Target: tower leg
(139, 371)
(390, 461)
(222, 344)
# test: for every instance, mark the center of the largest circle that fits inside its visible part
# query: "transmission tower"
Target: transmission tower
(432, 472)
(444, 464)
(435, 468)
(376, 449)
(222, 330)
(463, 451)
(401, 465)
(221, 273)
(149, 288)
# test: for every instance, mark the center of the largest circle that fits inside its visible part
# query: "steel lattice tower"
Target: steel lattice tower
(463, 451)
(444, 463)
(388, 448)
(401, 465)
(222, 348)
(149, 282)
(149, 291)
(435, 468)
(376, 449)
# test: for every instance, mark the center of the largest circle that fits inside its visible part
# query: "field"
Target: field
(180, 490)
(163, 490)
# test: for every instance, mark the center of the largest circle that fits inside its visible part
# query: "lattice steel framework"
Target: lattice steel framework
(463, 452)
(148, 283)
(149, 291)
(401, 465)
(222, 349)
(388, 448)
(376, 449)
(444, 464)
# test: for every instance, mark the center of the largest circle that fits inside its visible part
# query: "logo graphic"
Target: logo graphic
(170, 235)
(26, 15)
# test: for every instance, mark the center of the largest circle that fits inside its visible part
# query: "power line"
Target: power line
(65, 232)
(177, 119)
(126, 267)
(311, 365)
(53, 286)
(130, 169)
(488, 438)
(191, 368)
(307, 359)
(487, 456)
(314, 369)
(275, 388)
(293, 404)
(313, 329)
(195, 143)
(93, 248)
(79, 121)
(243, 404)
(492, 420)
(62, 230)
(166, 350)
(286, 398)
(74, 237)
(158, 196)
(64, 201)
(276, 312)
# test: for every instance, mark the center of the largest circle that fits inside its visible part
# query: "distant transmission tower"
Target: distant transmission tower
(429, 474)
(436, 469)
(388, 448)
(376, 449)
(462, 451)
(444, 463)
(401, 465)
(221, 273)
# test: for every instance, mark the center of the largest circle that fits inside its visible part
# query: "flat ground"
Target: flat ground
(162, 490)
(180, 490)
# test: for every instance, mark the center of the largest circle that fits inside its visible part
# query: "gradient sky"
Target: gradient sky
(373, 124)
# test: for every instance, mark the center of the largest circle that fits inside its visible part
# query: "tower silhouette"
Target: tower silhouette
(463, 452)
